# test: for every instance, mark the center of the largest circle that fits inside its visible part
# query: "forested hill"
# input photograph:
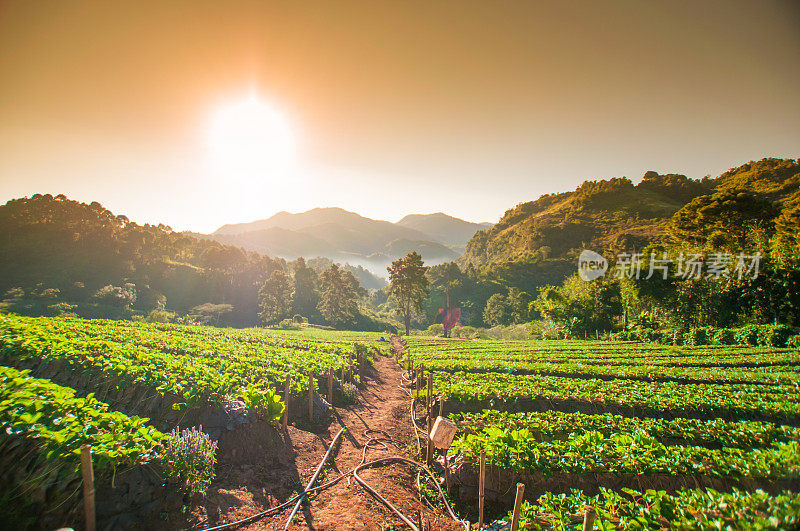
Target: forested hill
(59, 254)
(615, 214)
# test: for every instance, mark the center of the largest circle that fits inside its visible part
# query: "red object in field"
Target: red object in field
(451, 318)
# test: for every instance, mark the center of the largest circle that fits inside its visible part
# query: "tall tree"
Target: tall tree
(339, 293)
(408, 285)
(497, 310)
(306, 297)
(519, 303)
(275, 298)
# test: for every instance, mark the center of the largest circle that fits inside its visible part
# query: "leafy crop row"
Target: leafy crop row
(195, 370)
(549, 425)
(655, 510)
(753, 400)
(636, 452)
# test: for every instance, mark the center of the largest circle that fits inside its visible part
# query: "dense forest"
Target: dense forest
(59, 256)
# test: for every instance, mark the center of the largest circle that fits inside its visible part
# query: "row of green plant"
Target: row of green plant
(699, 509)
(636, 452)
(761, 335)
(731, 399)
(786, 374)
(192, 377)
(549, 425)
(602, 351)
(189, 339)
(589, 349)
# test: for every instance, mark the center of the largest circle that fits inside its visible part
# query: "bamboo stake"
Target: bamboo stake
(416, 382)
(447, 473)
(481, 488)
(286, 401)
(588, 518)
(88, 486)
(310, 398)
(517, 504)
(430, 418)
(330, 386)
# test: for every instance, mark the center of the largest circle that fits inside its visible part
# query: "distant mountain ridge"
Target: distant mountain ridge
(446, 229)
(345, 236)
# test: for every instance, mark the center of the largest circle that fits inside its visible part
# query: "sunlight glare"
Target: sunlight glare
(251, 141)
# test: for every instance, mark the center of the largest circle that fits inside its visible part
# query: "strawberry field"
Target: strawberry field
(651, 436)
(95, 377)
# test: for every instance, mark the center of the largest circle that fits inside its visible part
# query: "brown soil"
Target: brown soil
(261, 467)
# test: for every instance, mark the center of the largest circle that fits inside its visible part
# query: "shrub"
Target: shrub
(724, 336)
(793, 341)
(189, 456)
(677, 338)
(747, 335)
(123, 297)
(61, 309)
(463, 331)
(773, 335)
(697, 336)
(160, 316)
(287, 324)
(436, 329)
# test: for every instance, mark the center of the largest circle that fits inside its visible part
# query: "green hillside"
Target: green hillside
(616, 214)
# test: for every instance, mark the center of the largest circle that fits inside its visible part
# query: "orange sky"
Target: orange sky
(466, 107)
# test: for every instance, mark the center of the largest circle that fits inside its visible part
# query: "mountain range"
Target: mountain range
(345, 236)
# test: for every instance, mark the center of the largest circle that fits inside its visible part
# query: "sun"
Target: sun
(251, 140)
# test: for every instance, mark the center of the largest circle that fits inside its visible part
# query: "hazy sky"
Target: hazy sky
(465, 107)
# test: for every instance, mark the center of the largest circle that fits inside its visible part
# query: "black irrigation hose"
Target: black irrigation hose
(378, 442)
(313, 478)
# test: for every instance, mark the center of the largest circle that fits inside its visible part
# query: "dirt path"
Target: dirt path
(256, 486)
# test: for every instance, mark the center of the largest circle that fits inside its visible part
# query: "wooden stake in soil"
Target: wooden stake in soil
(310, 398)
(430, 418)
(88, 486)
(517, 504)
(420, 371)
(446, 473)
(481, 487)
(330, 386)
(286, 402)
(588, 518)
(342, 378)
